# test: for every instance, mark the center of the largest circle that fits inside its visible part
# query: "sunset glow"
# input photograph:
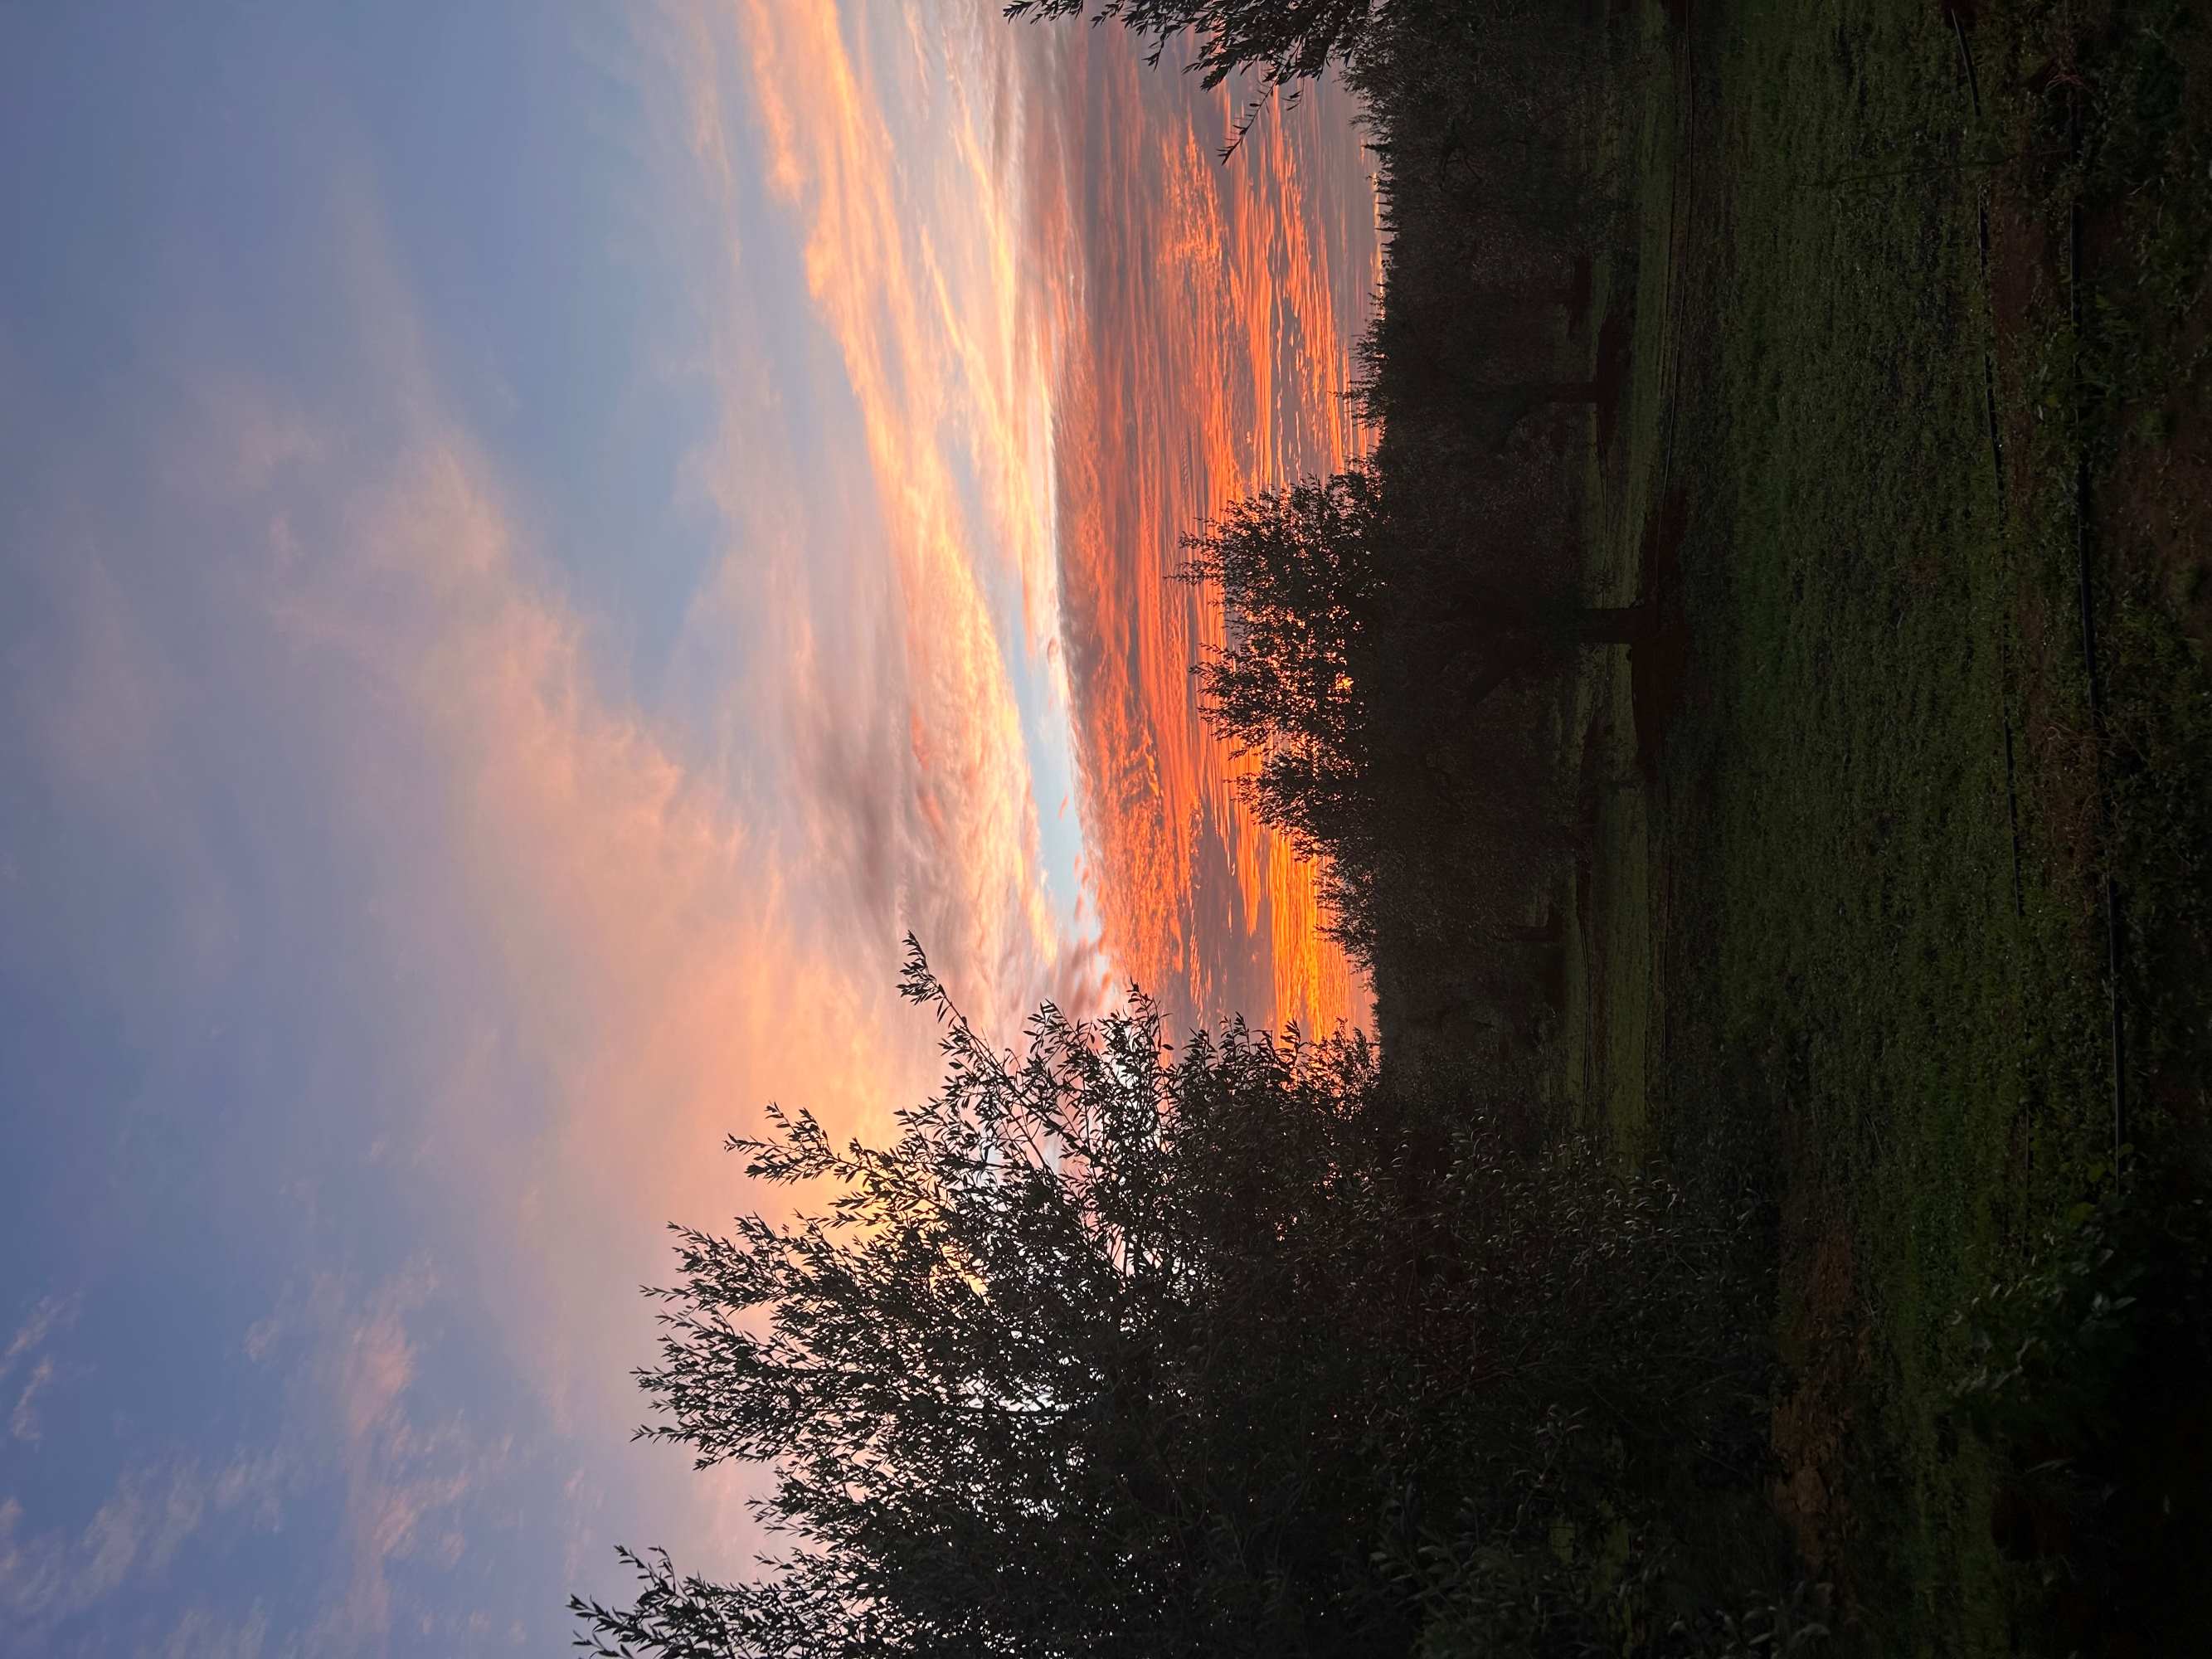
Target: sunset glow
(1209, 333)
(538, 545)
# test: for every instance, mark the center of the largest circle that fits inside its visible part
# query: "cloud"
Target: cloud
(401, 1476)
(403, 1480)
(1037, 282)
(23, 1421)
(1208, 313)
(201, 1633)
(917, 748)
(133, 1536)
(48, 1314)
(136, 1530)
(262, 1336)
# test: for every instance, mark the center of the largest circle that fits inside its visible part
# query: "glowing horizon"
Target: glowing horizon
(1204, 294)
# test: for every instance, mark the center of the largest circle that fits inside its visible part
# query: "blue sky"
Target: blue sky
(536, 541)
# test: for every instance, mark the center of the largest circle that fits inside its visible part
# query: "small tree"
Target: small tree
(1337, 611)
(1299, 573)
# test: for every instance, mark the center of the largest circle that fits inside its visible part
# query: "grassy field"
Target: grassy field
(1843, 934)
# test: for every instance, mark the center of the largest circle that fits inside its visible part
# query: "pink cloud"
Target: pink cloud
(48, 1314)
(909, 255)
(23, 1421)
(133, 1536)
(400, 1475)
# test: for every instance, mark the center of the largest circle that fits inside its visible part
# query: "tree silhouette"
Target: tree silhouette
(1285, 41)
(1120, 1349)
(1046, 1377)
(1322, 633)
(1300, 581)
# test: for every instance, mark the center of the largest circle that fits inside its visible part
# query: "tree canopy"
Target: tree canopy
(1037, 1380)
(1299, 574)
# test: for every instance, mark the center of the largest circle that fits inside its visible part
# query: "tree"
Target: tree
(1320, 618)
(1050, 1375)
(1299, 571)
(1477, 357)
(1285, 41)
(1117, 1349)
(1371, 645)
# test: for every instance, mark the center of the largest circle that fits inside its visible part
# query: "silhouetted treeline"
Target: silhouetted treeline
(1441, 584)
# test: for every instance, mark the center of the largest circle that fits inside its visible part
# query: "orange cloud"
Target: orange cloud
(1070, 333)
(884, 149)
(1208, 318)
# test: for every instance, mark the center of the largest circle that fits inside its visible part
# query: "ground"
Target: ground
(1843, 933)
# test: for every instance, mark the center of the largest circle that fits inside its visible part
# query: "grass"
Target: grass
(1845, 936)
(1603, 1064)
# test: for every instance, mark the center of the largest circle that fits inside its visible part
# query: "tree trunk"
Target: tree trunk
(1618, 624)
(1522, 401)
(1494, 677)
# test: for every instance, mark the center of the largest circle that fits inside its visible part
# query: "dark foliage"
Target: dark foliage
(1285, 41)
(1122, 1349)
(1300, 571)
(1398, 635)
(1282, 43)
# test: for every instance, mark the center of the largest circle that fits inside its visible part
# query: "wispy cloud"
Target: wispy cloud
(46, 1316)
(23, 1420)
(131, 1539)
(402, 1478)
(203, 1633)
(883, 147)
(26, 1351)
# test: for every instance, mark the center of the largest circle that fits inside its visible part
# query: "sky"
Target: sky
(537, 542)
